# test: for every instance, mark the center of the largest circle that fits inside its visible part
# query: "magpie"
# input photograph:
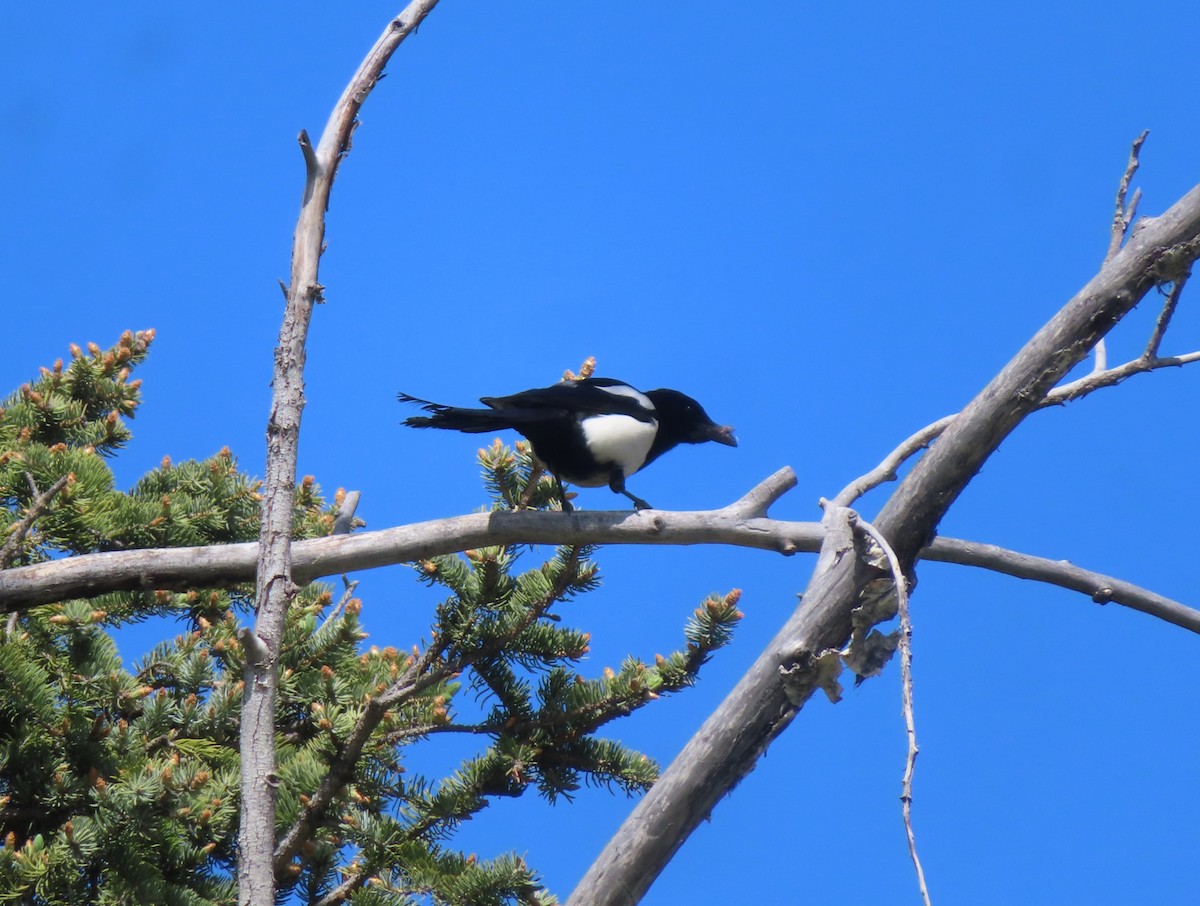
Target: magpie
(589, 432)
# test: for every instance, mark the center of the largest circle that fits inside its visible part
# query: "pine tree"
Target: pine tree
(119, 784)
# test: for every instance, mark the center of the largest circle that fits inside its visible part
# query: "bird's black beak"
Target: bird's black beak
(722, 434)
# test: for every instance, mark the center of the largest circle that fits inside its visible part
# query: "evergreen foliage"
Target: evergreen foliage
(119, 784)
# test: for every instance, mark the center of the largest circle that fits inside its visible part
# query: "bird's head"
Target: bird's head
(683, 420)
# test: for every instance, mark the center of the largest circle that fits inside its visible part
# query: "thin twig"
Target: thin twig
(1064, 393)
(1113, 376)
(347, 596)
(1123, 215)
(1122, 218)
(906, 694)
(1164, 318)
(1101, 375)
(886, 470)
(41, 502)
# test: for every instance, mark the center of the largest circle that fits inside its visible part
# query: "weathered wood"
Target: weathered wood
(731, 741)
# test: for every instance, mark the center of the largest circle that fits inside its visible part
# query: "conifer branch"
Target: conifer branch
(425, 672)
(340, 772)
(416, 679)
(41, 503)
(336, 612)
(557, 732)
(342, 892)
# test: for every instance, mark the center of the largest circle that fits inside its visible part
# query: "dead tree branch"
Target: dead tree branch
(1124, 214)
(741, 524)
(1122, 218)
(736, 735)
(275, 586)
(1100, 376)
(906, 695)
(1148, 361)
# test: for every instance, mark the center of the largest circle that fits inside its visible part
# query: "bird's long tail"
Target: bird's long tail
(470, 421)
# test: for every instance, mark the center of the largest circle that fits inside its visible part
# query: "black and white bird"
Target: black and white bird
(589, 432)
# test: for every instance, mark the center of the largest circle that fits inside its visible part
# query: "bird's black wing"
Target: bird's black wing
(592, 396)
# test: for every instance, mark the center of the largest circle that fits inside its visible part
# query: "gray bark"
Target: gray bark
(742, 524)
(275, 587)
(729, 744)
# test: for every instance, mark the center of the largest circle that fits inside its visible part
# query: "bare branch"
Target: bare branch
(1164, 318)
(1113, 376)
(311, 164)
(1065, 393)
(345, 516)
(257, 654)
(906, 694)
(190, 567)
(1123, 216)
(1100, 588)
(184, 567)
(758, 709)
(275, 587)
(886, 470)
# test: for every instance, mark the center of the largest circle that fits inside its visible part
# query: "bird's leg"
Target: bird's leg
(638, 503)
(616, 483)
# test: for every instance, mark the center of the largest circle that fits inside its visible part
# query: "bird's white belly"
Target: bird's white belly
(617, 439)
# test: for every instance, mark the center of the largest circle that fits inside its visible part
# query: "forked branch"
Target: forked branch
(1124, 213)
(760, 707)
(735, 525)
(275, 586)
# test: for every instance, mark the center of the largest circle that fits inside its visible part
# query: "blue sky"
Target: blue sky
(829, 224)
